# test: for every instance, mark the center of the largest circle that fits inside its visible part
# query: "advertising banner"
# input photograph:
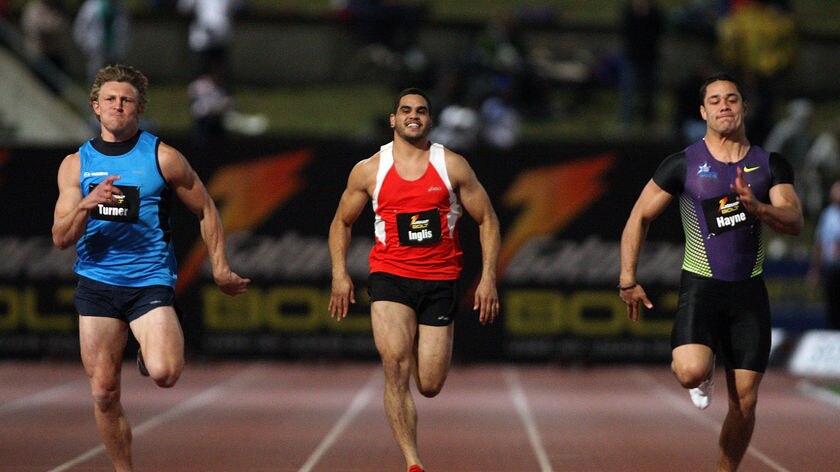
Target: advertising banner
(561, 207)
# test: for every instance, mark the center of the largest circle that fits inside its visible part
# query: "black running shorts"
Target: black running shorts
(433, 301)
(125, 303)
(732, 318)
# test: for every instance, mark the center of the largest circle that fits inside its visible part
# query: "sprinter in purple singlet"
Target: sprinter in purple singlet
(728, 190)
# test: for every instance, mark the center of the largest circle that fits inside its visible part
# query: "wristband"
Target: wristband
(627, 287)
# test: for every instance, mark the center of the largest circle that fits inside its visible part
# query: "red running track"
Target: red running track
(287, 416)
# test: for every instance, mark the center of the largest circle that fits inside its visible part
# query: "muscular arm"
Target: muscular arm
(72, 209)
(651, 203)
(477, 203)
(784, 212)
(191, 191)
(350, 206)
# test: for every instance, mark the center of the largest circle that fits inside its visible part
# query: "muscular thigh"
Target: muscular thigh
(699, 312)
(159, 333)
(746, 342)
(102, 342)
(732, 318)
(394, 329)
(434, 350)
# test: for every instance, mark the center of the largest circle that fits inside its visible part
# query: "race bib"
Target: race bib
(126, 209)
(725, 213)
(419, 228)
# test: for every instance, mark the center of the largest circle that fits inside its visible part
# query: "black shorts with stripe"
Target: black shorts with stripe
(433, 301)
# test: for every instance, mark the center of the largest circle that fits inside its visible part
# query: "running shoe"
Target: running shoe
(415, 468)
(701, 395)
(141, 365)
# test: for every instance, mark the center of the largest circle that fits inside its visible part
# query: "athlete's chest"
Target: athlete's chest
(427, 190)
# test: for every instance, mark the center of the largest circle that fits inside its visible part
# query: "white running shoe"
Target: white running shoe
(701, 395)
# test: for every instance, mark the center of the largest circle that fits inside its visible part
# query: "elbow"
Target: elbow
(61, 241)
(61, 244)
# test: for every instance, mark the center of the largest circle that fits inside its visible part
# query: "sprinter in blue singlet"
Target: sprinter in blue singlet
(113, 205)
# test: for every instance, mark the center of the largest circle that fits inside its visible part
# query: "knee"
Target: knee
(105, 395)
(743, 405)
(396, 370)
(690, 374)
(166, 378)
(429, 390)
(165, 375)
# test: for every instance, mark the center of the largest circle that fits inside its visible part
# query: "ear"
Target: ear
(392, 119)
(703, 112)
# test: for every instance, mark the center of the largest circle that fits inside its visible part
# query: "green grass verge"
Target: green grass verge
(351, 110)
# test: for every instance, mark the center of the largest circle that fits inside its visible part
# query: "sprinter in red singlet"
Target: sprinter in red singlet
(418, 190)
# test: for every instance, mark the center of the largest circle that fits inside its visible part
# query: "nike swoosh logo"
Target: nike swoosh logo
(750, 169)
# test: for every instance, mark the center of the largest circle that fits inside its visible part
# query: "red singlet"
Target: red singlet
(416, 221)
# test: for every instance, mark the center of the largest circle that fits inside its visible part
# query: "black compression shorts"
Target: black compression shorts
(433, 301)
(94, 298)
(732, 318)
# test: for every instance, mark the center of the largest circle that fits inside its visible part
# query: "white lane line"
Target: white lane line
(520, 402)
(360, 401)
(679, 403)
(193, 403)
(41, 398)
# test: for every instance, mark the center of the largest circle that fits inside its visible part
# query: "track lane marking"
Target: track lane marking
(42, 397)
(678, 403)
(520, 402)
(206, 397)
(360, 401)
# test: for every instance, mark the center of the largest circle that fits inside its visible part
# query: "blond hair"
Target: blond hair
(120, 73)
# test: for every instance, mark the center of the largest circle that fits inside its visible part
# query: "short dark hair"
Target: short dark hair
(411, 91)
(721, 76)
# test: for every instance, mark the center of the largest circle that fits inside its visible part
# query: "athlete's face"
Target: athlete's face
(412, 120)
(723, 108)
(118, 110)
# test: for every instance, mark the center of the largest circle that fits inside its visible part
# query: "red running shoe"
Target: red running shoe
(415, 468)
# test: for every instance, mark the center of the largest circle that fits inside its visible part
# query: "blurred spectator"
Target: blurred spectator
(641, 30)
(211, 30)
(46, 28)
(457, 128)
(688, 121)
(825, 257)
(214, 113)
(209, 102)
(499, 65)
(697, 16)
(500, 122)
(101, 30)
(758, 39)
(792, 136)
(387, 30)
(821, 168)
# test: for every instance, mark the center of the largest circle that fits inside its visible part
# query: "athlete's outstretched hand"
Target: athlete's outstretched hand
(486, 301)
(343, 294)
(230, 283)
(104, 192)
(634, 297)
(745, 193)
